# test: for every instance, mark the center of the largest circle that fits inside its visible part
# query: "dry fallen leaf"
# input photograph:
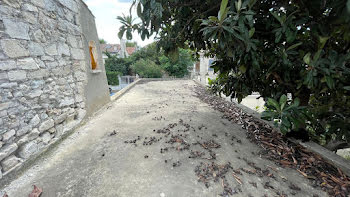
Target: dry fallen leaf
(303, 173)
(237, 178)
(36, 192)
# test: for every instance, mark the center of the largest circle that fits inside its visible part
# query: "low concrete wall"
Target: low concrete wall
(162, 79)
(124, 90)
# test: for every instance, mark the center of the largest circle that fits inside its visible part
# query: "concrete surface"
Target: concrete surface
(91, 162)
(344, 153)
(124, 90)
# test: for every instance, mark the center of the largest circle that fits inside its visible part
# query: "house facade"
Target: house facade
(202, 70)
(121, 50)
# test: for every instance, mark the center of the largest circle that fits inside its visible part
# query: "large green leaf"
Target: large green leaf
(121, 33)
(139, 12)
(223, 10)
(274, 103)
(278, 36)
(251, 32)
(238, 5)
(283, 101)
(307, 58)
(279, 18)
(330, 82)
(294, 46)
(290, 35)
(268, 115)
(286, 122)
(128, 35)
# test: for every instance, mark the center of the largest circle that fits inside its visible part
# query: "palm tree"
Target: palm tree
(128, 26)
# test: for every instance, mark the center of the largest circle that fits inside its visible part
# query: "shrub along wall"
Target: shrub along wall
(112, 77)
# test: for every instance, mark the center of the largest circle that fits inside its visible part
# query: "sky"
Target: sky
(106, 12)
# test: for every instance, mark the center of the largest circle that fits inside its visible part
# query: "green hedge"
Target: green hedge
(112, 77)
(147, 69)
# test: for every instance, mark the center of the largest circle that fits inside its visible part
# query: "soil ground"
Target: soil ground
(160, 140)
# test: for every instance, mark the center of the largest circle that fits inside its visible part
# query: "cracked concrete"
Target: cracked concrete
(92, 162)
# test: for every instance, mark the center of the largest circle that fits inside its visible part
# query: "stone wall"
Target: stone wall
(44, 72)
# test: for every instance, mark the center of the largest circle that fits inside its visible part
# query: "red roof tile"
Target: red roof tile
(130, 50)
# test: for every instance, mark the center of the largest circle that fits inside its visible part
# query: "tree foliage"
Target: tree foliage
(102, 41)
(180, 67)
(127, 26)
(271, 47)
(158, 63)
(131, 44)
(112, 77)
(147, 69)
(150, 52)
(115, 64)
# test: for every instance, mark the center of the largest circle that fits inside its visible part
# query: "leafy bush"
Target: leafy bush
(115, 64)
(112, 77)
(178, 68)
(149, 52)
(103, 41)
(287, 115)
(147, 69)
(131, 44)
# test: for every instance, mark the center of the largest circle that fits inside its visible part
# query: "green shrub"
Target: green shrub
(147, 69)
(112, 77)
(115, 64)
(179, 67)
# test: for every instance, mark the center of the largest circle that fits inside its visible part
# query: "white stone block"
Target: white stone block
(13, 48)
(29, 7)
(46, 137)
(17, 75)
(36, 49)
(63, 49)
(35, 93)
(51, 49)
(46, 125)
(7, 150)
(6, 136)
(28, 149)
(27, 64)
(16, 29)
(77, 54)
(39, 3)
(7, 65)
(10, 162)
(34, 121)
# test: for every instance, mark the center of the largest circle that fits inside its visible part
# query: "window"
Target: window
(210, 65)
(197, 66)
(93, 55)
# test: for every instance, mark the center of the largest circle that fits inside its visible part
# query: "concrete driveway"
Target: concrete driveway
(160, 140)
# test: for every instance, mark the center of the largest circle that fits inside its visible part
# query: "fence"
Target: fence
(123, 82)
